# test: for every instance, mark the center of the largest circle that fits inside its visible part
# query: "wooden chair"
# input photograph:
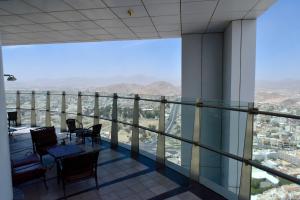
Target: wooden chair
(43, 139)
(94, 133)
(27, 169)
(79, 167)
(71, 123)
(11, 117)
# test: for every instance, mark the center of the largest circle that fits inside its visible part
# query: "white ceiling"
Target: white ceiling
(55, 21)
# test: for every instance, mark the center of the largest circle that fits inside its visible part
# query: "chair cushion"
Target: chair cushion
(32, 158)
(43, 138)
(28, 172)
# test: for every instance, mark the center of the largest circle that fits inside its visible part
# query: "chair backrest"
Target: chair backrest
(96, 129)
(71, 123)
(12, 116)
(44, 136)
(83, 164)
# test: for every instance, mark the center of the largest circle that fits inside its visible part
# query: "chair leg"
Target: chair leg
(41, 159)
(58, 172)
(45, 183)
(96, 180)
(64, 188)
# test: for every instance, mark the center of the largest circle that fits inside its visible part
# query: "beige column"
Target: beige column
(96, 109)
(48, 116)
(114, 123)
(63, 117)
(160, 150)
(135, 129)
(33, 113)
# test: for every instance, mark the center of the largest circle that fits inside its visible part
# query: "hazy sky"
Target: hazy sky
(278, 42)
(160, 59)
(278, 53)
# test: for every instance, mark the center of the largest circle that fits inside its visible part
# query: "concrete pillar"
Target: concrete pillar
(218, 67)
(5, 166)
(238, 90)
(202, 65)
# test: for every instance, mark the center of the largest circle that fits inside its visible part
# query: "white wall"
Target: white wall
(238, 88)
(202, 66)
(219, 67)
(5, 168)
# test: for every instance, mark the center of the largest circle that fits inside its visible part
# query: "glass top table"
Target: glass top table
(61, 151)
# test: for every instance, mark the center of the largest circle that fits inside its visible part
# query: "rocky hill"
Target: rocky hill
(155, 88)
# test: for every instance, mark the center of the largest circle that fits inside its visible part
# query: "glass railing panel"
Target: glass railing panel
(220, 177)
(40, 118)
(185, 120)
(25, 100)
(106, 129)
(287, 107)
(10, 97)
(211, 135)
(88, 104)
(87, 109)
(267, 186)
(71, 104)
(148, 143)
(55, 108)
(25, 117)
(149, 114)
(125, 110)
(276, 144)
(25, 106)
(124, 135)
(105, 107)
(87, 121)
(40, 100)
(175, 149)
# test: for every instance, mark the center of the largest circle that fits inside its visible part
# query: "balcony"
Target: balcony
(120, 177)
(154, 147)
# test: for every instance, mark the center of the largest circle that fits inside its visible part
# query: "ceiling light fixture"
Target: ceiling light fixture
(130, 12)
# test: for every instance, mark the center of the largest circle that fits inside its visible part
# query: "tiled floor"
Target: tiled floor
(120, 177)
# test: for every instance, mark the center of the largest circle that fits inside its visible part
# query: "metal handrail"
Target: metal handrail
(203, 146)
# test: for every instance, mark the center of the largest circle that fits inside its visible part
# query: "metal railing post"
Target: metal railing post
(63, 117)
(18, 108)
(79, 108)
(33, 113)
(195, 159)
(160, 149)
(114, 123)
(135, 129)
(96, 109)
(48, 117)
(245, 180)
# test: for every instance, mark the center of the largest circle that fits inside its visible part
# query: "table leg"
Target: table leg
(58, 171)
